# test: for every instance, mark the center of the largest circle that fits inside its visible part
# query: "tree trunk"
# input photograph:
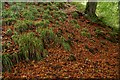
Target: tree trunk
(91, 9)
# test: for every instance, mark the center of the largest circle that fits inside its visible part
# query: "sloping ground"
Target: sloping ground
(91, 55)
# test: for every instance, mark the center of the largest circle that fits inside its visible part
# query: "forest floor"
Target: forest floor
(94, 57)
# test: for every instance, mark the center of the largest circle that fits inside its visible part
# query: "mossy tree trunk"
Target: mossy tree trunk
(90, 10)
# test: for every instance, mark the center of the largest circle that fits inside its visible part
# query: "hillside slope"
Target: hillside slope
(72, 46)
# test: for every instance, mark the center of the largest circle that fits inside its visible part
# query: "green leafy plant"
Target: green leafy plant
(15, 37)
(43, 23)
(45, 53)
(114, 37)
(109, 13)
(75, 15)
(99, 32)
(77, 26)
(47, 11)
(40, 10)
(8, 21)
(9, 32)
(28, 15)
(73, 21)
(15, 57)
(56, 15)
(54, 7)
(113, 33)
(46, 34)
(29, 23)
(61, 19)
(57, 22)
(85, 32)
(63, 14)
(48, 7)
(60, 5)
(79, 6)
(33, 9)
(15, 7)
(10, 14)
(46, 16)
(20, 26)
(6, 62)
(4, 46)
(30, 46)
(65, 44)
